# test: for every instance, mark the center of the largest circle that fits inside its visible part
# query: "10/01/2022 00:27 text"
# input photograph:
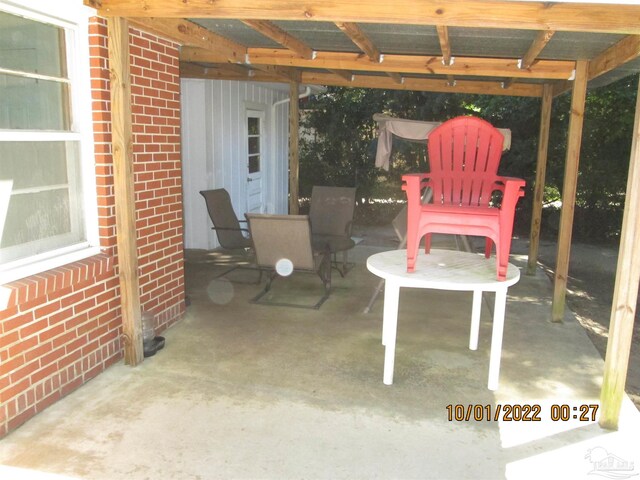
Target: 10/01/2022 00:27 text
(520, 412)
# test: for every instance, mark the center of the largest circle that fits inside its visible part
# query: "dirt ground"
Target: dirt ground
(590, 291)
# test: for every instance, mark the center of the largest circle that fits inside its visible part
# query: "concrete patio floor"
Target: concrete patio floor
(253, 391)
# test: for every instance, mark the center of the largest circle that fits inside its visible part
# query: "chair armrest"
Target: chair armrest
(411, 181)
(512, 189)
(234, 229)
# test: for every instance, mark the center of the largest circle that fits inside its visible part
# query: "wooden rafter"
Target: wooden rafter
(420, 64)
(278, 35)
(538, 44)
(396, 77)
(344, 74)
(445, 45)
(221, 72)
(475, 66)
(286, 74)
(191, 34)
(535, 15)
(361, 39)
(622, 52)
(423, 84)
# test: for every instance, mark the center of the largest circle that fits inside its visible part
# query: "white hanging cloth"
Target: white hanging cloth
(413, 130)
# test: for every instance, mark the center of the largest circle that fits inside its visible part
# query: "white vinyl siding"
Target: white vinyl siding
(214, 149)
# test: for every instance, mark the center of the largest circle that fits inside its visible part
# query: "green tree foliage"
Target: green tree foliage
(339, 142)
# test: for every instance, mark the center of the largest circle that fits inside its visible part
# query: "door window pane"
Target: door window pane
(254, 145)
(254, 126)
(254, 164)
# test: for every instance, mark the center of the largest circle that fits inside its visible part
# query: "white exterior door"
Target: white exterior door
(256, 153)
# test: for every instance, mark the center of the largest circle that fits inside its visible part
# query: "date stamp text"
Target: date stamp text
(520, 412)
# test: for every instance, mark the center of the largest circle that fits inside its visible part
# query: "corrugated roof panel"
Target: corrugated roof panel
(237, 31)
(489, 42)
(407, 40)
(625, 70)
(578, 45)
(321, 36)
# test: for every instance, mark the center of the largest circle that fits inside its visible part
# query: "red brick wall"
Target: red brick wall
(63, 327)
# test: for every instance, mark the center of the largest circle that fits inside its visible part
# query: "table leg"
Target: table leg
(496, 338)
(475, 320)
(389, 328)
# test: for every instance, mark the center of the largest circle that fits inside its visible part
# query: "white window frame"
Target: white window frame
(74, 18)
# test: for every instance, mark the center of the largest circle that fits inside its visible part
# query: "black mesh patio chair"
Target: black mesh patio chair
(282, 246)
(331, 215)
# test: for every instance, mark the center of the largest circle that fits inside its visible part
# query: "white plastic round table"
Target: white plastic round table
(443, 270)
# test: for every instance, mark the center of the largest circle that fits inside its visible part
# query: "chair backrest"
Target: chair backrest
(332, 210)
(277, 237)
(464, 154)
(224, 219)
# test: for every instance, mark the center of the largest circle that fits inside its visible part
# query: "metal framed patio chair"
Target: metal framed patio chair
(226, 224)
(331, 215)
(282, 246)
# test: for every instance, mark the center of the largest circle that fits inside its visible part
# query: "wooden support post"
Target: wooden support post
(294, 160)
(541, 170)
(569, 188)
(623, 309)
(122, 150)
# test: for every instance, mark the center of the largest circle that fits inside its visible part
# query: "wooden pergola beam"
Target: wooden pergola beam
(569, 189)
(541, 171)
(417, 64)
(344, 74)
(188, 33)
(285, 74)
(623, 308)
(396, 77)
(423, 85)
(224, 72)
(361, 39)
(294, 159)
(622, 52)
(538, 15)
(538, 44)
(278, 35)
(122, 152)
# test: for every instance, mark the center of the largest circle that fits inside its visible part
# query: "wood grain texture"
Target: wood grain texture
(541, 171)
(122, 151)
(588, 17)
(294, 159)
(574, 141)
(625, 293)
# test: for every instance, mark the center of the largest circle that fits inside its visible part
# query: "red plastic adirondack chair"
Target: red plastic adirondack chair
(464, 154)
